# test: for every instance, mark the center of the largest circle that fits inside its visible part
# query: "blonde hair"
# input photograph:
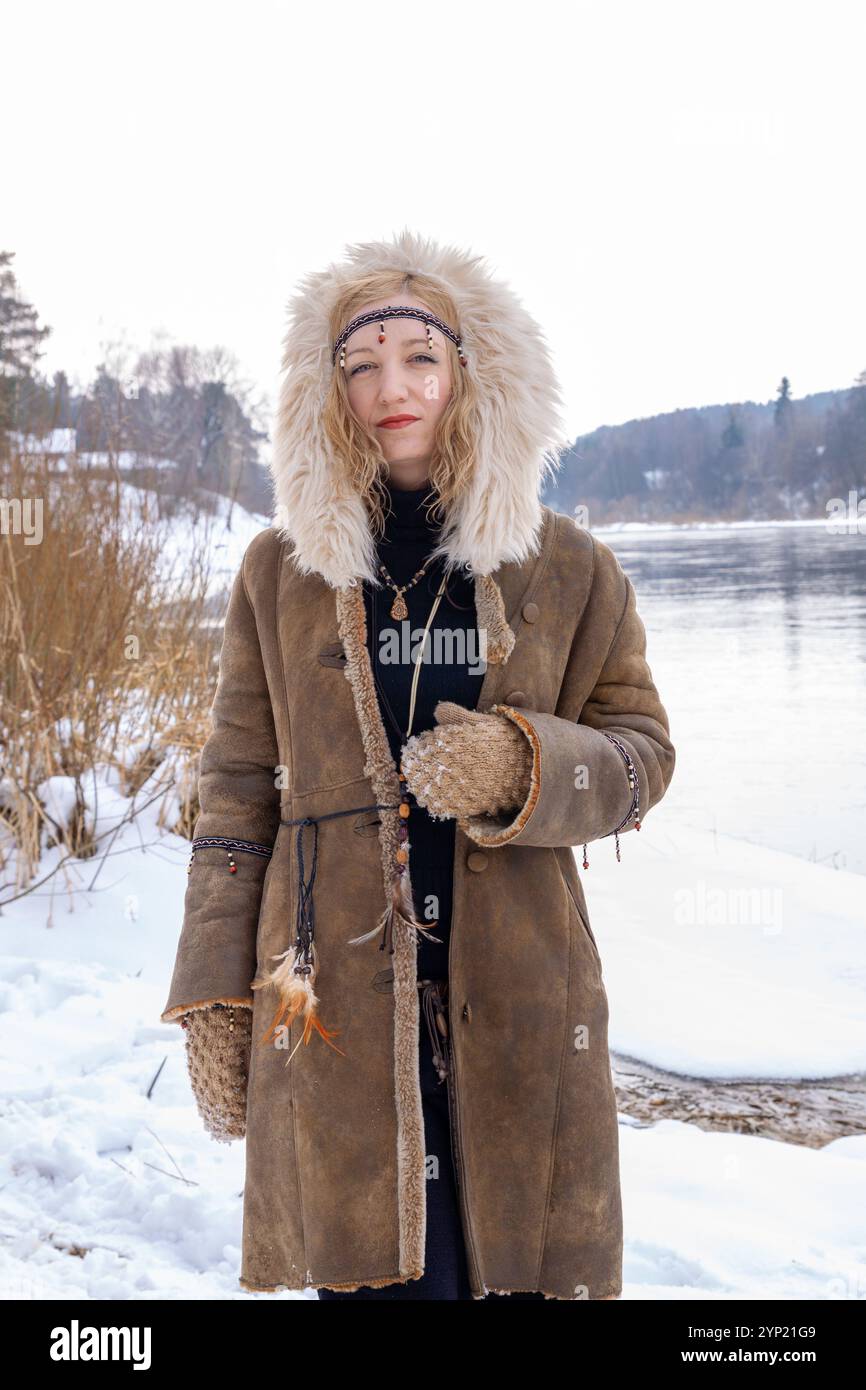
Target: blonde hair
(359, 451)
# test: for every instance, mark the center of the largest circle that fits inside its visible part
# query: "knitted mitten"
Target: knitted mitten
(471, 764)
(218, 1047)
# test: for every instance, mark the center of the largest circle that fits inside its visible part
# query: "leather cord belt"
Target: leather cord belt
(306, 924)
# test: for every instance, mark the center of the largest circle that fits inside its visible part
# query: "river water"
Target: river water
(756, 638)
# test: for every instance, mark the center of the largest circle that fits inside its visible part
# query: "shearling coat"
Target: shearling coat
(335, 1154)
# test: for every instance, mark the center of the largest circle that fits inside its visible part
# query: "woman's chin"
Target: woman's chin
(396, 448)
(409, 457)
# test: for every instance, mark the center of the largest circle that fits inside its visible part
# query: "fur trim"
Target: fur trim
(519, 428)
(399, 1279)
(490, 612)
(384, 778)
(346, 1288)
(172, 1015)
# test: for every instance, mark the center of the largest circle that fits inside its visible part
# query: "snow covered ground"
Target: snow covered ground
(727, 959)
(111, 1188)
(224, 535)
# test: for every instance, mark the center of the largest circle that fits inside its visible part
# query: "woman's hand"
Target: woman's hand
(471, 764)
(218, 1048)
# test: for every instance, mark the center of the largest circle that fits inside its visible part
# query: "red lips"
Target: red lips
(395, 421)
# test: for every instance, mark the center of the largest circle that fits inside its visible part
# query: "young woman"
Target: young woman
(432, 688)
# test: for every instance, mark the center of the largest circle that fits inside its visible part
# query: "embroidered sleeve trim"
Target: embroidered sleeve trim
(227, 842)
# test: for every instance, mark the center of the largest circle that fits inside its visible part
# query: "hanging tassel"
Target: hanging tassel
(293, 978)
(399, 912)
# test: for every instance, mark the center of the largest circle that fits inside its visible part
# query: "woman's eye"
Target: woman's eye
(418, 357)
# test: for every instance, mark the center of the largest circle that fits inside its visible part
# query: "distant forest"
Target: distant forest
(782, 459)
(182, 420)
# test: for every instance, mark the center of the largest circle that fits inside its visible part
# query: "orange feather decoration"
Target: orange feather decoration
(297, 1000)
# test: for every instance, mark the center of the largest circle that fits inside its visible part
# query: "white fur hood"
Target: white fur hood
(519, 425)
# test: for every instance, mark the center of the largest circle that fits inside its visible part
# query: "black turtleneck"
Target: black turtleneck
(451, 671)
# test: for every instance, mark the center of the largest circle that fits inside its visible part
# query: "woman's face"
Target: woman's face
(400, 377)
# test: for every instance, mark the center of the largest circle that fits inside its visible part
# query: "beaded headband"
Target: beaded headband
(397, 311)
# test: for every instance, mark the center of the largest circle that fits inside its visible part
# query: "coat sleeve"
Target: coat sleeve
(238, 820)
(604, 770)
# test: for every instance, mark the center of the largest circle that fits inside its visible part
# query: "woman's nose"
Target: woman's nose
(392, 385)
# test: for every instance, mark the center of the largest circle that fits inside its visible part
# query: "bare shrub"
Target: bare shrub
(107, 660)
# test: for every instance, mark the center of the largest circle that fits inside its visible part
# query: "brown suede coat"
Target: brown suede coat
(335, 1162)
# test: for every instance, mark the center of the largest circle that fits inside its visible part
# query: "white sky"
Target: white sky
(675, 190)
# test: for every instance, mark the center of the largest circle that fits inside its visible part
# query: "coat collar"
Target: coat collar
(518, 428)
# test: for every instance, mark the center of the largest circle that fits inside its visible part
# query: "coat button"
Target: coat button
(477, 861)
(530, 612)
(518, 697)
(467, 1013)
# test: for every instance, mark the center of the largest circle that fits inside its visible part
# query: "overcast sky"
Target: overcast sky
(675, 190)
